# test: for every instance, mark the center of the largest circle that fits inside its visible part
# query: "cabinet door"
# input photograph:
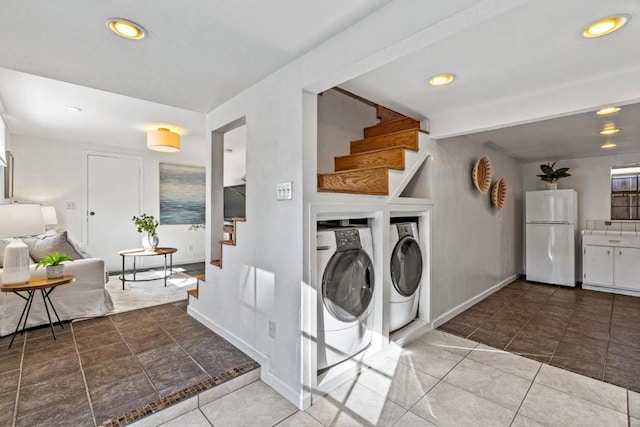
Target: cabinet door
(598, 265)
(627, 268)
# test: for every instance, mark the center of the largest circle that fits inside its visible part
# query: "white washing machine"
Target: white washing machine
(406, 274)
(345, 293)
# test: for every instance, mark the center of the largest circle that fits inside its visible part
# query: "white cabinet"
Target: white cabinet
(598, 265)
(627, 268)
(611, 262)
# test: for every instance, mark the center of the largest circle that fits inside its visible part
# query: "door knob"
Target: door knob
(92, 213)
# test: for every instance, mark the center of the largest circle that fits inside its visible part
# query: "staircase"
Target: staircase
(230, 242)
(366, 169)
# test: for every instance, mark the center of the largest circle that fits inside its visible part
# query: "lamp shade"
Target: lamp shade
(21, 220)
(49, 215)
(163, 140)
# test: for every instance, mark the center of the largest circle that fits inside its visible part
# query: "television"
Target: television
(234, 202)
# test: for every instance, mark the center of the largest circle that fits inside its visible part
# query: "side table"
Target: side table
(147, 252)
(46, 286)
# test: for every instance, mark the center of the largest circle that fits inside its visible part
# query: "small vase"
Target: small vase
(150, 241)
(55, 271)
(550, 185)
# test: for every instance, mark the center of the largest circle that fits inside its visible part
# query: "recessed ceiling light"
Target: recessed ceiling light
(609, 129)
(605, 26)
(127, 29)
(608, 144)
(608, 110)
(441, 79)
(73, 108)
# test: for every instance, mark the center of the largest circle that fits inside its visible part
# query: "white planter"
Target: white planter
(150, 241)
(550, 185)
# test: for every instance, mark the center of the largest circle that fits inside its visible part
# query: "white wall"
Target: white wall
(235, 161)
(341, 119)
(3, 148)
(51, 172)
(474, 246)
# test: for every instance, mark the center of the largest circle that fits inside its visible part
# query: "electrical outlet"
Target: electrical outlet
(272, 329)
(71, 205)
(283, 191)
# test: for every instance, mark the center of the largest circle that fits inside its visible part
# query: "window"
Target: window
(625, 193)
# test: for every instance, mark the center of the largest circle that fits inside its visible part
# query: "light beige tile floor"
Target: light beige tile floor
(437, 380)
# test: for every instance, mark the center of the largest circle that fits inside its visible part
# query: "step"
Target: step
(193, 293)
(406, 138)
(360, 181)
(397, 125)
(392, 158)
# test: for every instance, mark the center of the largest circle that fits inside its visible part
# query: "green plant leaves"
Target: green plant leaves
(549, 175)
(54, 259)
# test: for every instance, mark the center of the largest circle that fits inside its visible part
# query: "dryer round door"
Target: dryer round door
(347, 285)
(406, 266)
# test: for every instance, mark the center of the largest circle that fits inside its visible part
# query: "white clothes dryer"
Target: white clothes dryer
(345, 293)
(406, 274)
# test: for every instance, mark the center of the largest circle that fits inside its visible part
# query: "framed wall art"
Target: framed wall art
(182, 194)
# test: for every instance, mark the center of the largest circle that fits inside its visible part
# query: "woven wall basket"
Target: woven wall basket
(481, 174)
(499, 194)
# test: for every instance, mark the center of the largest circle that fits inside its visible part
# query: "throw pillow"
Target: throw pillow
(48, 244)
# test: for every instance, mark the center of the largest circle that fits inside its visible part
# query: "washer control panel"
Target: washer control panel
(348, 239)
(404, 229)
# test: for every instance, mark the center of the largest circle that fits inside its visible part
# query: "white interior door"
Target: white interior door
(113, 198)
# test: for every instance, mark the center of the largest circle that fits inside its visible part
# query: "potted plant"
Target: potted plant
(147, 224)
(551, 177)
(53, 264)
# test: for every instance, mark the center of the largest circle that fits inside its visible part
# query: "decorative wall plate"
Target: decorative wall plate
(481, 174)
(499, 194)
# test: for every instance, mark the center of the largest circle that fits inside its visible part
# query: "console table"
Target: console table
(46, 286)
(134, 253)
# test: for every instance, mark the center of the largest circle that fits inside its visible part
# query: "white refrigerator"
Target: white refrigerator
(551, 218)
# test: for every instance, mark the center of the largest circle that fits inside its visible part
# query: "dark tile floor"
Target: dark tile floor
(592, 333)
(102, 368)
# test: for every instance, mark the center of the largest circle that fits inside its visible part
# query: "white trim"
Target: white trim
(609, 289)
(297, 397)
(470, 302)
(229, 336)
(410, 332)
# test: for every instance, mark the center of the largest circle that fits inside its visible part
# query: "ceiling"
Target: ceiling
(55, 54)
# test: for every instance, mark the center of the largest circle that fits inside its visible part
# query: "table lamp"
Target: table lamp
(17, 220)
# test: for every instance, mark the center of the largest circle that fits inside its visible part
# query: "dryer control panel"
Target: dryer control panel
(348, 239)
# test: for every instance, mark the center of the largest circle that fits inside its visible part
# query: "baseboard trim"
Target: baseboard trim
(297, 397)
(229, 336)
(470, 302)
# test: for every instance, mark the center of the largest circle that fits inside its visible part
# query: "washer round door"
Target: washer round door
(406, 266)
(347, 285)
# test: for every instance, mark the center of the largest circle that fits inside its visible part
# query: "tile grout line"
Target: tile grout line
(15, 405)
(84, 378)
(526, 394)
(606, 355)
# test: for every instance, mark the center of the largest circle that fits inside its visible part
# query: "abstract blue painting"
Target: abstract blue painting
(182, 194)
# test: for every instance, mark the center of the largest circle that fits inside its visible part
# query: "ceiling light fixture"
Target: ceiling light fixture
(127, 29)
(605, 26)
(73, 108)
(163, 140)
(608, 110)
(441, 79)
(608, 144)
(609, 129)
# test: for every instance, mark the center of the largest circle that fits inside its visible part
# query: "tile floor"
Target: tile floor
(100, 369)
(439, 379)
(592, 333)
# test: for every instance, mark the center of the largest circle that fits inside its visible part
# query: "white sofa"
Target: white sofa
(85, 297)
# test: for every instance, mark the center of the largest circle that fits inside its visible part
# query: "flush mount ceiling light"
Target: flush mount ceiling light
(608, 144)
(163, 140)
(608, 110)
(441, 79)
(73, 108)
(127, 29)
(605, 26)
(609, 129)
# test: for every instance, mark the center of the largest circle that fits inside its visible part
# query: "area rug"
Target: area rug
(138, 295)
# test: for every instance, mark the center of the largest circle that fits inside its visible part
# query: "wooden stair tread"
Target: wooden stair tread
(201, 277)
(193, 292)
(392, 158)
(230, 242)
(391, 126)
(373, 181)
(407, 139)
(216, 262)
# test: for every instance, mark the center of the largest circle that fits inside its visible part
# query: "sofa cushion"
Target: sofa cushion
(48, 244)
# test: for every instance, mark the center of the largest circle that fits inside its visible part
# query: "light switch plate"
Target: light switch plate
(283, 191)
